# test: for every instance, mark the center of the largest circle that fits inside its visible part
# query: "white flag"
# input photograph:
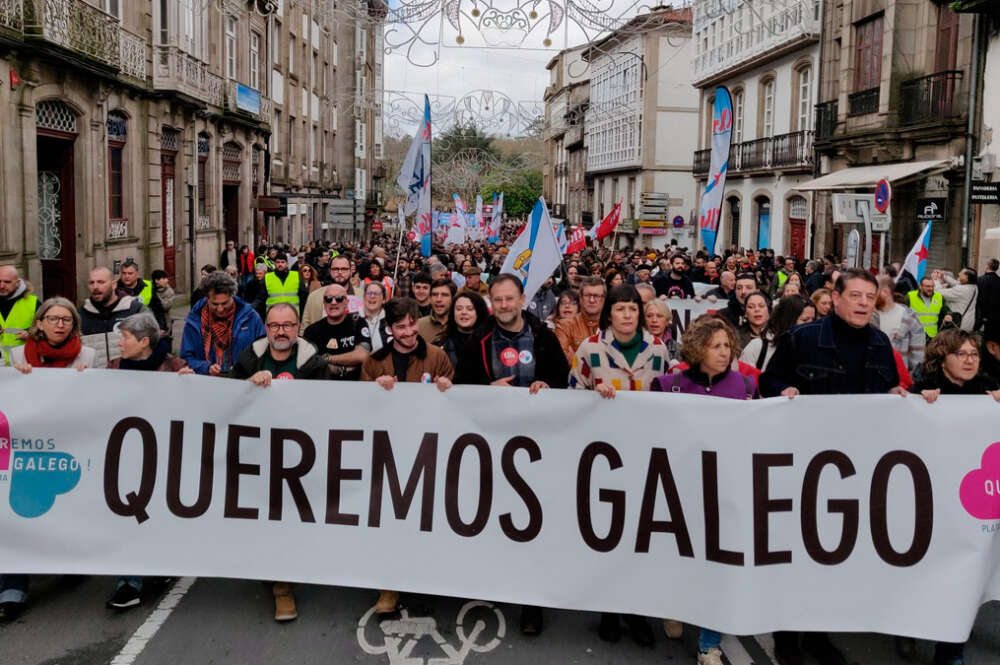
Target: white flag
(416, 169)
(534, 256)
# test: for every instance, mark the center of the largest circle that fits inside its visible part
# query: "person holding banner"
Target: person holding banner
(17, 311)
(468, 310)
(53, 340)
(841, 354)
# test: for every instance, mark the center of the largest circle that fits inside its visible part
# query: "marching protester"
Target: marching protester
(567, 307)
(709, 348)
(843, 354)
(219, 327)
(105, 309)
(406, 358)
(621, 356)
(307, 275)
(284, 285)
(790, 311)
(17, 311)
(823, 300)
(929, 306)
(988, 300)
(746, 283)
(658, 319)
(255, 291)
(725, 289)
(570, 333)
(473, 280)
(959, 295)
(757, 311)
(675, 283)
(130, 284)
(514, 349)
(339, 273)
(420, 286)
(900, 324)
(374, 314)
(343, 337)
(53, 340)
(468, 310)
(434, 326)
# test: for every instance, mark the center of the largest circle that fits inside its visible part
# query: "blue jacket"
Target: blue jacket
(247, 327)
(807, 358)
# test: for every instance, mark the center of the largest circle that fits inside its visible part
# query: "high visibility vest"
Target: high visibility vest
(21, 316)
(386, 282)
(282, 292)
(928, 314)
(782, 278)
(146, 295)
(268, 263)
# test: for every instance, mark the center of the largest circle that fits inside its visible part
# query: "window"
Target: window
(276, 45)
(189, 24)
(113, 7)
(117, 131)
(868, 54)
(230, 46)
(767, 109)
(164, 22)
(254, 60)
(738, 116)
(203, 148)
(291, 55)
(805, 92)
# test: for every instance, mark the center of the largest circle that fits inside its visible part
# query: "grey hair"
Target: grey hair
(643, 286)
(142, 325)
(219, 282)
(437, 268)
(43, 309)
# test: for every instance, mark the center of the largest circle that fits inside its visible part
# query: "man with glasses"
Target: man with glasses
(341, 336)
(340, 273)
(219, 327)
(281, 356)
(573, 331)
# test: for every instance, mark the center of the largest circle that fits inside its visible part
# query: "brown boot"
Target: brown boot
(387, 602)
(284, 602)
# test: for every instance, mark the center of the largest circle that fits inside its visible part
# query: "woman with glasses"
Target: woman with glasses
(54, 340)
(374, 314)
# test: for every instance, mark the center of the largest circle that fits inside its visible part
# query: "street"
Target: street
(229, 622)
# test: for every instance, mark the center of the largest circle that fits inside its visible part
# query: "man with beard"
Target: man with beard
(219, 327)
(340, 273)
(343, 337)
(284, 285)
(17, 310)
(130, 284)
(675, 283)
(105, 309)
(281, 355)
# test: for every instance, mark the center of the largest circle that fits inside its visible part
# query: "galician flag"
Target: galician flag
(415, 172)
(459, 204)
(711, 199)
(916, 260)
(608, 224)
(534, 255)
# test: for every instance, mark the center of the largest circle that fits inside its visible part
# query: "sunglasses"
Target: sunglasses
(334, 299)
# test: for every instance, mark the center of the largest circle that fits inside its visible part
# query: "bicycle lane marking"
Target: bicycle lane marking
(144, 633)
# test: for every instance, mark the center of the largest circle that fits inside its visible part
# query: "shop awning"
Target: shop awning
(868, 176)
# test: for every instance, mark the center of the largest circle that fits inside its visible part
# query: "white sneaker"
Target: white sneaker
(711, 657)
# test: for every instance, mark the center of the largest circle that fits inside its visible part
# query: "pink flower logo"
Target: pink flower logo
(980, 488)
(4, 443)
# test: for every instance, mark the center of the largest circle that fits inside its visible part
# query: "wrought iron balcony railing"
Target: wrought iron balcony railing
(826, 119)
(76, 26)
(12, 15)
(132, 54)
(779, 152)
(933, 98)
(178, 71)
(864, 102)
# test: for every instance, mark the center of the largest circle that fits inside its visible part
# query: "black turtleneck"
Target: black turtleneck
(852, 348)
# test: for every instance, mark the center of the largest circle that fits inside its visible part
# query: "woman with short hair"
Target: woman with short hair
(53, 340)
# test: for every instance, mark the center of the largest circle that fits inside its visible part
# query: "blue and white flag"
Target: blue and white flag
(415, 174)
(535, 254)
(916, 260)
(494, 230)
(711, 198)
(560, 230)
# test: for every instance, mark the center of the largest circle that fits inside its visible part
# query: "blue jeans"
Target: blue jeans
(134, 582)
(14, 588)
(708, 639)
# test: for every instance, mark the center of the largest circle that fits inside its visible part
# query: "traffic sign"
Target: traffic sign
(678, 222)
(883, 194)
(847, 210)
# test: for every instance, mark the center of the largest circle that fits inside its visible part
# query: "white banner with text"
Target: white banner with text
(844, 513)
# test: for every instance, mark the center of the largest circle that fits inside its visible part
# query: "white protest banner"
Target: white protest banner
(656, 504)
(686, 310)
(701, 288)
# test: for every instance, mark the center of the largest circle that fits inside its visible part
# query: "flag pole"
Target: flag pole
(399, 250)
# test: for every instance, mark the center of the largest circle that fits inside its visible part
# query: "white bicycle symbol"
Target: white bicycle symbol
(402, 635)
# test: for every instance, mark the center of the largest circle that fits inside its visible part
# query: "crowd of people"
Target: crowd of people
(364, 312)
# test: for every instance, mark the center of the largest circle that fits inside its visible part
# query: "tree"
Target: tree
(462, 139)
(520, 190)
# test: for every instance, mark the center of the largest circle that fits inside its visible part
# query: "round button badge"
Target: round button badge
(508, 357)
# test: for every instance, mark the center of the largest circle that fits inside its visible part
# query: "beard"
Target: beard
(282, 343)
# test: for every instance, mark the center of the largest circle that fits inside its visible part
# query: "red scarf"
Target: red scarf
(40, 353)
(217, 333)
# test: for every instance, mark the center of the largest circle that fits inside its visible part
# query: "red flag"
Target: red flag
(608, 224)
(577, 240)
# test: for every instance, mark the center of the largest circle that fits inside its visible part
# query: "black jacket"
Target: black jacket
(475, 368)
(807, 358)
(938, 381)
(988, 301)
(94, 320)
(310, 363)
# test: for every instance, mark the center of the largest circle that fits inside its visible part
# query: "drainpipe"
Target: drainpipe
(970, 133)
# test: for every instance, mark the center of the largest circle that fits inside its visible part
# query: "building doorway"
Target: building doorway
(797, 213)
(763, 222)
(168, 156)
(56, 215)
(231, 211)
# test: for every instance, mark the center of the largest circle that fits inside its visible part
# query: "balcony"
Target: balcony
(181, 72)
(863, 103)
(782, 152)
(783, 30)
(132, 54)
(12, 15)
(250, 100)
(931, 99)
(574, 136)
(83, 30)
(826, 119)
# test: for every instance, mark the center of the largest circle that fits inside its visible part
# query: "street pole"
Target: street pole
(191, 252)
(866, 213)
(970, 134)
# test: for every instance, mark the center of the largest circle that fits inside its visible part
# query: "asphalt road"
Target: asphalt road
(229, 622)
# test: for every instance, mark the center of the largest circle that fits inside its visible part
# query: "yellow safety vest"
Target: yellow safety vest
(21, 316)
(928, 314)
(146, 295)
(782, 278)
(278, 292)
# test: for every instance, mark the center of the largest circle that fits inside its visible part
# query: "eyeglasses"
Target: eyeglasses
(340, 270)
(592, 296)
(55, 320)
(373, 293)
(274, 327)
(334, 299)
(967, 355)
